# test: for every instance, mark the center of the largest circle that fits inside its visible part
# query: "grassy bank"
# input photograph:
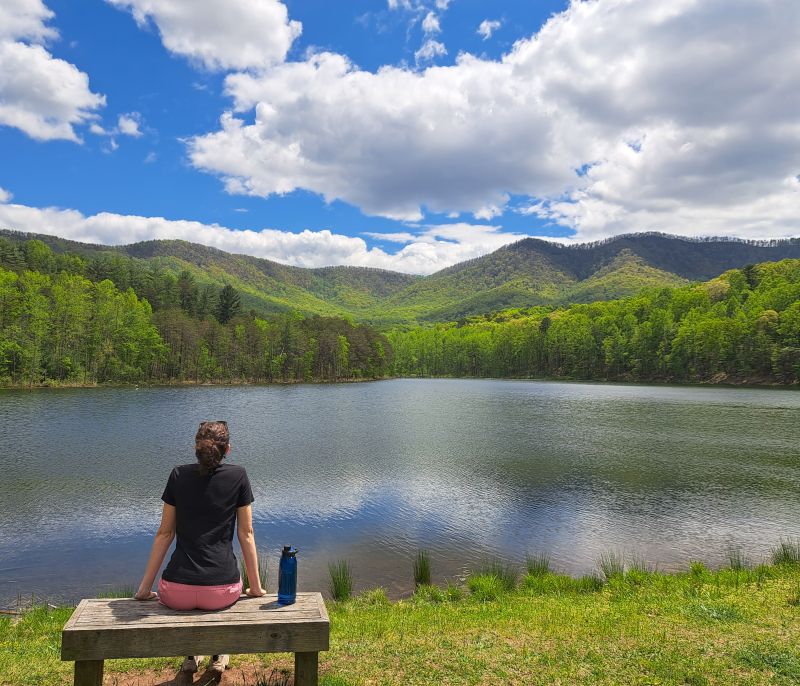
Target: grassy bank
(732, 626)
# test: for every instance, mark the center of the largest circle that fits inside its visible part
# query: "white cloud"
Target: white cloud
(430, 24)
(5, 196)
(128, 124)
(430, 50)
(487, 28)
(682, 111)
(42, 96)
(235, 34)
(26, 20)
(433, 248)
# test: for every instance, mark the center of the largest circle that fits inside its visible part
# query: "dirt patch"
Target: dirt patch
(242, 675)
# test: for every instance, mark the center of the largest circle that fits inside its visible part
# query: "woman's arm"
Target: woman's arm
(247, 539)
(161, 544)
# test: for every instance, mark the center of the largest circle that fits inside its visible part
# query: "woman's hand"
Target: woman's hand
(145, 595)
(255, 592)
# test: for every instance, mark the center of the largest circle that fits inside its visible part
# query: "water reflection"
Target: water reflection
(371, 472)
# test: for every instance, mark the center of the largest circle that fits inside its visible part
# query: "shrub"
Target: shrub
(341, 583)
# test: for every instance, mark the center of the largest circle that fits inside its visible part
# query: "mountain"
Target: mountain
(523, 274)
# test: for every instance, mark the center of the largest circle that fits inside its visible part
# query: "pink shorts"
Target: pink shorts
(186, 597)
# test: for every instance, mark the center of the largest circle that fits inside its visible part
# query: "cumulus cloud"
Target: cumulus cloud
(618, 115)
(488, 27)
(5, 196)
(430, 249)
(235, 34)
(26, 20)
(128, 124)
(42, 96)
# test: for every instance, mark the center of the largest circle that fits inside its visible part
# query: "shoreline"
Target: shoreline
(725, 382)
(635, 626)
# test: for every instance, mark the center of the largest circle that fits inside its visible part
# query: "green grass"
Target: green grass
(611, 564)
(263, 565)
(718, 627)
(505, 573)
(341, 580)
(117, 592)
(737, 559)
(537, 565)
(422, 569)
(787, 552)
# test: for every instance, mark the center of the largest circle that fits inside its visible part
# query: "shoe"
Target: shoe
(192, 663)
(219, 663)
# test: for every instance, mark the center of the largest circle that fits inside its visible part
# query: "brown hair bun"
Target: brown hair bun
(211, 444)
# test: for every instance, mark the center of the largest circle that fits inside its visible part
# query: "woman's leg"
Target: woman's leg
(217, 598)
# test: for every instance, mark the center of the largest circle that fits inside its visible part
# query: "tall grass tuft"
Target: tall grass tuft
(263, 559)
(787, 552)
(504, 572)
(537, 565)
(422, 569)
(612, 565)
(117, 592)
(737, 560)
(341, 584)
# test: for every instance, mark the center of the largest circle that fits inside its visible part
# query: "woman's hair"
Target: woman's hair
(211, 444)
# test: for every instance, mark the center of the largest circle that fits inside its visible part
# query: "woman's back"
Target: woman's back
(205, 507)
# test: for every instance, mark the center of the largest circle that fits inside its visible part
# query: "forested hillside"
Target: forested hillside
(741, 326)
(63, 320)
(525, 274)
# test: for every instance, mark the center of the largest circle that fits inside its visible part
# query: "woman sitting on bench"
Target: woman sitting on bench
(202, 503)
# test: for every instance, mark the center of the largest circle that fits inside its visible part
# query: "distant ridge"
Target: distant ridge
(523, 274)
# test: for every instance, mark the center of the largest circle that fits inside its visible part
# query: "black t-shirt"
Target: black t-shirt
(205, 507)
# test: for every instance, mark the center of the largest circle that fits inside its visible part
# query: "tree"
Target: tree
(229, 304)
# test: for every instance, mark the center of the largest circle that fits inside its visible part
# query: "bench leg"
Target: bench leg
(305, 669)
(88, 673)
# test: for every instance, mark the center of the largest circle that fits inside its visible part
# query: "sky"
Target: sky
(400, 134)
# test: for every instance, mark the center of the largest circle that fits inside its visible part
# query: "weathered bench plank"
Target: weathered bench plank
(102, 629)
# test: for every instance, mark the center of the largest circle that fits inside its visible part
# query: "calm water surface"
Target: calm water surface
(372, 472)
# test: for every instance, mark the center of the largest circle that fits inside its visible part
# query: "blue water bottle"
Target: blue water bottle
(287, 576)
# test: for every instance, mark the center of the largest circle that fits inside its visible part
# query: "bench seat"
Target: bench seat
(103, 629)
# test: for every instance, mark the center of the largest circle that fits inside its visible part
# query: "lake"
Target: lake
(468, 469)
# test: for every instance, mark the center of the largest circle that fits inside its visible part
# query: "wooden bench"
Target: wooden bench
(118, 628)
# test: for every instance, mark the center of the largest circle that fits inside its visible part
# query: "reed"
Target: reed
(341, 580)
(787, 552)
(422, 569)
(263, 560)
(737, 560)
(612, 565)
(117, 592)
(538, 565)
(504, 572)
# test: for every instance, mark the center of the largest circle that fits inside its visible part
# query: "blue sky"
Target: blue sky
(421, 140)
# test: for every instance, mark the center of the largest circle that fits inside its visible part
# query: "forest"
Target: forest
(65, 319)
(743, 326)
(72, 319)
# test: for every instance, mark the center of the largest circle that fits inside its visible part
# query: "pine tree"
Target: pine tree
(229, 304)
